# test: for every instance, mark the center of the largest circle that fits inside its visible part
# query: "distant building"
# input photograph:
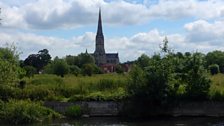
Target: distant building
(107, 61)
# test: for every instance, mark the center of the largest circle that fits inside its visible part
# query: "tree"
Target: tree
(152, 82)
(197, 82)
(119, 69)
(38, 60)
(214, 69)
(164, 47)
(60, 67)
(85, 58)
(30, 71)
(73, 69)
(44, 57)
(215, 57)
(88, 69)
(143, 61)
(10, 72)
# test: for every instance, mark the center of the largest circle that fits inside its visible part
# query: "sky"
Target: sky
(131, 27)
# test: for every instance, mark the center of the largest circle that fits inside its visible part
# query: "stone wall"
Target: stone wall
(92, 108)
(199, 109)
(89, 108)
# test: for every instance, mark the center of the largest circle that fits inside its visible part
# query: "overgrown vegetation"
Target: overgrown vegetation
(24, 111)
(73, 111)
(157, 79)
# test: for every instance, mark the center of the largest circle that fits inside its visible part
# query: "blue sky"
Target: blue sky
(131, 27)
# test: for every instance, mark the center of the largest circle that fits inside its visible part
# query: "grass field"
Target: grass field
(96, 87)
(217, 86)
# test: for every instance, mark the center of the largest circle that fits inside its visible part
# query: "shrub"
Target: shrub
(73, 111)
(217, 96)
(197, 82)
(10, 71)
(8, 92)
(20, 112)
(96, 96)
(88, 69)
(35, 94)
(22, 84)
(119, 69)
(214, 69)
(30, 71)
(60, 67)
(74, 70)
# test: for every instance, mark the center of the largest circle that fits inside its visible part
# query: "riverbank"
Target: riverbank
(111, 108)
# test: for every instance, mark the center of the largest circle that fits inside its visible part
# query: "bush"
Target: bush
(119, 69)
(96, 96)
(214, 69)
(60, 67)
(20, 112)
(74, 70)
(88, 69)
(10, 71)
(197, 82)
(217, 96)
(30, 71)
(7, 92)
(73, 111)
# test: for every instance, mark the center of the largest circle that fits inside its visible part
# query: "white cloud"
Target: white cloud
(202, 31)
(129, 48)
(50, 14)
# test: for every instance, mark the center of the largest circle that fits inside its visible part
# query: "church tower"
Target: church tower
(99, 54)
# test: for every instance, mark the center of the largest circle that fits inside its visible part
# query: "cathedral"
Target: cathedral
(107, 61)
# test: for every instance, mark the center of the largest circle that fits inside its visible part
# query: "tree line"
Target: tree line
(41, 62)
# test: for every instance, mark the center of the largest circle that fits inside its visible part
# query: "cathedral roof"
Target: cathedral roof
(112, 55)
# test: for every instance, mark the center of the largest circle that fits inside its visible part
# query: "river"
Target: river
(113, 121)
(103, 121)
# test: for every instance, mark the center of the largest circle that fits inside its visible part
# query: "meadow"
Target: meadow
(99, 87)
(74, 88)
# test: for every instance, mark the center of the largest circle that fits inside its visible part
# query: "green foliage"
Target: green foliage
(10, 71)
(164, 47)
(73, 111)
(20, 112)
(198, 83)
(137, 82)
(119, 69)
(30, 71)
(115, 95)
(85, 58)
(58, 67)
(88, 69)
(143, 61)
(46, 79)
(38, 60)
(214, 69)
(7, 92)
(215, 57)
(75, 70)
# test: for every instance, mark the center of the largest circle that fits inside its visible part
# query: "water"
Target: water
(182, 121)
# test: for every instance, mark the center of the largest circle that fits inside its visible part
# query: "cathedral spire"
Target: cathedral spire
(100, 29)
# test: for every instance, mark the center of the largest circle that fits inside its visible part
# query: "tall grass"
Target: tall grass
(51, 87)
(217, 87)
(25, 111)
